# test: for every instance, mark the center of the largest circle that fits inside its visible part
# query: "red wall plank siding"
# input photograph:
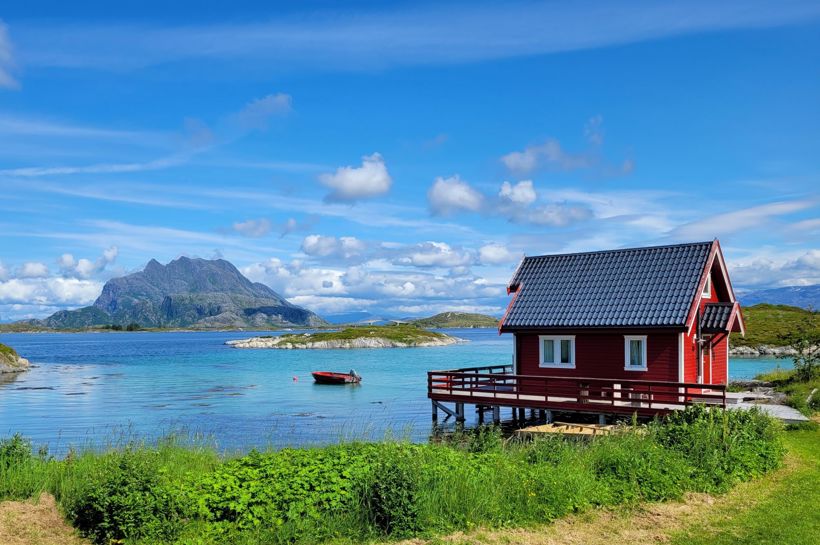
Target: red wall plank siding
(601, 355)
(720, 346)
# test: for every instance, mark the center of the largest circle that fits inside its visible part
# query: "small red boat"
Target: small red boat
(328, 377)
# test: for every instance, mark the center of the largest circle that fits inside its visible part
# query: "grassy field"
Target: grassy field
(765, 324)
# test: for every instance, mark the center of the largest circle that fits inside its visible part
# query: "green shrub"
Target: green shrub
(636, 469)
(14, 451)
(274, 488)
(722, 446)
(124, 495)
(392, 497)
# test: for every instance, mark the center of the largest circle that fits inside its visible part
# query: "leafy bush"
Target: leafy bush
(274, 488)
(722, 446)
(392, 497)
(14, 451)
(125, 496)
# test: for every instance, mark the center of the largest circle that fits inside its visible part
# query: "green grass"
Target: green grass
(361, 492)
(766, 324)
(797, 391)
(398, 333)
(7, 351)
(784, 509)
(457, 319)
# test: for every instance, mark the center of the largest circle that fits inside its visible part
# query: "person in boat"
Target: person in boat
(355, 375)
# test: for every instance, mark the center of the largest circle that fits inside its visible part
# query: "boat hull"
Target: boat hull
(326, 377)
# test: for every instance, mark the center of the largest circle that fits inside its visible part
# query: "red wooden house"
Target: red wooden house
(641, 329)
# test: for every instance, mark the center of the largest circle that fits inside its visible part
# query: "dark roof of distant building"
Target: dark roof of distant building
(635, 287)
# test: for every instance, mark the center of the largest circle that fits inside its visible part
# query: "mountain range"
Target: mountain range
(807, 297)
(186, 292)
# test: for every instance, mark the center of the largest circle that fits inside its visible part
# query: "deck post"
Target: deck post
(460, 412)
(480, 414)
(548, 416)
(435, 411)
(522, 415)
(496, 414)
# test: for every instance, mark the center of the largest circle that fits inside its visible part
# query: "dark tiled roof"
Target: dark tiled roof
(715, 317)
(635, 287)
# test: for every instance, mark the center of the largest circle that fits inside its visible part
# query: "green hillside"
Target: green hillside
(457, 319)
(765, 323)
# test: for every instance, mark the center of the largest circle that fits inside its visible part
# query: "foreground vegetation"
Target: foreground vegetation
(366, 491)
(798, 392)
(772, 324)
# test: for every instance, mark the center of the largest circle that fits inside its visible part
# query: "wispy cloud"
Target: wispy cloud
(431, 33)
(720, 225)
(6, 59)
(103, 168)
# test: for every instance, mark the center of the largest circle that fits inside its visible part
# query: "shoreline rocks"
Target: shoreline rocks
(11, 362)
(289, 342)
(761, 350)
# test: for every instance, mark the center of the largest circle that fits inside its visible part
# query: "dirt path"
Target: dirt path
(35, 523)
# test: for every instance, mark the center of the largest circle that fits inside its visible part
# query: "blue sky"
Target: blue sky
(400, 158)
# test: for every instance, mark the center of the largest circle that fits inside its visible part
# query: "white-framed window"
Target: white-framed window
(556, 351)
(707, 287)
(635, 352)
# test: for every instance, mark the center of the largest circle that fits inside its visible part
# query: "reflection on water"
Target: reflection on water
(97, 388)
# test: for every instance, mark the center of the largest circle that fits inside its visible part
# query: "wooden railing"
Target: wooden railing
(486, 385)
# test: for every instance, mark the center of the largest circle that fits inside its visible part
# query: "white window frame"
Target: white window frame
(627, 340)
(556, 352)
(707, 287)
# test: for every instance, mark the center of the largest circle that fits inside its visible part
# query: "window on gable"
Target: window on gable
(635, 353)
(707, 287)
(557, 351)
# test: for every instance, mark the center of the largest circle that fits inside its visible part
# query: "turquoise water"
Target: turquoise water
(94, 388)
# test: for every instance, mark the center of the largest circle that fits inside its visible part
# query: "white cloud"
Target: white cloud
(85, 268)
(434, 254)
(594, 131)
(350, 183)
(6, 59)
(257, 113)
(253, 228)
(766, 270)
(520, 193)
(720, 225)
(32, 269)
(431, 33)
(49, 291)
(342, 247)
(449, 195)
(550, 153)
(494, 254)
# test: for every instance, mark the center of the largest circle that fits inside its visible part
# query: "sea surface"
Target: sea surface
(97, 389)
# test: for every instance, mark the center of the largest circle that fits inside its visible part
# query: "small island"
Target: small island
(392, 336)
(457, 319)
(10, 361)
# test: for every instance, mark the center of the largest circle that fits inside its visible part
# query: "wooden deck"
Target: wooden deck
(497, 387)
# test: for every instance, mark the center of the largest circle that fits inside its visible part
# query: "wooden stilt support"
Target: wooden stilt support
(542, 414)
(496, 414)
(435, 411)
(480, 415)
(460, 412)
(521, 414)
(548, 416)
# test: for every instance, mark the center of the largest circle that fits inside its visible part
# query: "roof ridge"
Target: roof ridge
(633, 248)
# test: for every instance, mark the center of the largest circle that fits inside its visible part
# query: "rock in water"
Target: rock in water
(186, 292)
